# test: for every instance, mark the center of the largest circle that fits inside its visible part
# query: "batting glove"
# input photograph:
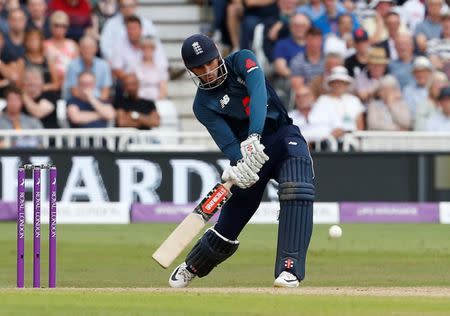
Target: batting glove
(253, 151)
(241, 175)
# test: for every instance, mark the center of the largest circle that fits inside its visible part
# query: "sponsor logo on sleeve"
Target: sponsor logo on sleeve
(250, 65)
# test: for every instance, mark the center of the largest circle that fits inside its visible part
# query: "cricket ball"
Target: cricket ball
(335, 231)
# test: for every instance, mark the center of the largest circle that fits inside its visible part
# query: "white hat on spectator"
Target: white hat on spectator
(422, 63)
(334, 45)
(339, 73)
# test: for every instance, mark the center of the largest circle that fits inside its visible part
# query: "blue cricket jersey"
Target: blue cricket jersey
(242, 105)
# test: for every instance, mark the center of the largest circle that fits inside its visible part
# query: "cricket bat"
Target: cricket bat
(186, 231)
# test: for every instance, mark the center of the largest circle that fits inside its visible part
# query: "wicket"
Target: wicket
(21, 175)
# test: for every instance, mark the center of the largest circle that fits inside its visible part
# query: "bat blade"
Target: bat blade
(171, 248)
(191, 226)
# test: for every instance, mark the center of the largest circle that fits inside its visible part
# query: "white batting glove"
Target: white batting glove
(241, 175)
(253, 150)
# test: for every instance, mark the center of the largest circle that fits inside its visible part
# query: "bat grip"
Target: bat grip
(228, 185)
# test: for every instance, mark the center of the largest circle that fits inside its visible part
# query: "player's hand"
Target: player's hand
(253, 151)
(241, 175)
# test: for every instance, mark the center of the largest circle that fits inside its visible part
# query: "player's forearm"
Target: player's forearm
(233, 152)
(256, 86)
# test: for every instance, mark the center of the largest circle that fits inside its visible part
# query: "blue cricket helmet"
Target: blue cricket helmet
(198, 50)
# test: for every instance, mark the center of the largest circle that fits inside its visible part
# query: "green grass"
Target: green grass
(142, 303)
(95, 256)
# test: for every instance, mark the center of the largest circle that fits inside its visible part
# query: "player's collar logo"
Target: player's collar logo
(197, 48)
(224, 101)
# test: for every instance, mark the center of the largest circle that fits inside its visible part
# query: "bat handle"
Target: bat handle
(228, 185)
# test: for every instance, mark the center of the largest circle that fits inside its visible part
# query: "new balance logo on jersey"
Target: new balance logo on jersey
(197, 48)
(224, 101)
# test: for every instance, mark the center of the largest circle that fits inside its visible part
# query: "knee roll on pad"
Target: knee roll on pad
(296, 193)
(209, 251)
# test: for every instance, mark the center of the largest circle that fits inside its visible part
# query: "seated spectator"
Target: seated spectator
(255, 12)
(14, 42)
(440, 120)
(277, 28)
(387, 111)
(304, 101)
(34, 56)
(79, 12)
(318, 85)
(37, 17)
(60, 50)
(328, 22)
(431, 27)
(124, 59)
(343, 38)
(376, 24)
(38, 103)
(413, 12)
(392, 22)
(87, 61)
(438, 49)
(402, 67)
(417, 92)
(358, 61)
(114, 34)
(315, 8)
(287, 48)
(101, 12)
(152, 79)
(14, 119)
(133, 111)
(426, 109)
(338, 108)
(367, 81)
(8, 72)
(3, 17)
(86, 110)
(306, 66)
(306, 117)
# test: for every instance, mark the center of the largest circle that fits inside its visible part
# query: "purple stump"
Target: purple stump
(20, 226)
(37, 227)
(52, 230)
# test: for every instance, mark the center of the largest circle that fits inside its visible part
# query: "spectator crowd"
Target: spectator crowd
(101, 60)
(338, 65)
(347, 65)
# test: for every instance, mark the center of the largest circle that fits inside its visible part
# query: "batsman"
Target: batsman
(250, 125)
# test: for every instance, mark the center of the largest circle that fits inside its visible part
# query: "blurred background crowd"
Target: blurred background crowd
(339, 66)
(349, 65)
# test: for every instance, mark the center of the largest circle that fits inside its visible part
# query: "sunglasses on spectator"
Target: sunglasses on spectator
(61, 25)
